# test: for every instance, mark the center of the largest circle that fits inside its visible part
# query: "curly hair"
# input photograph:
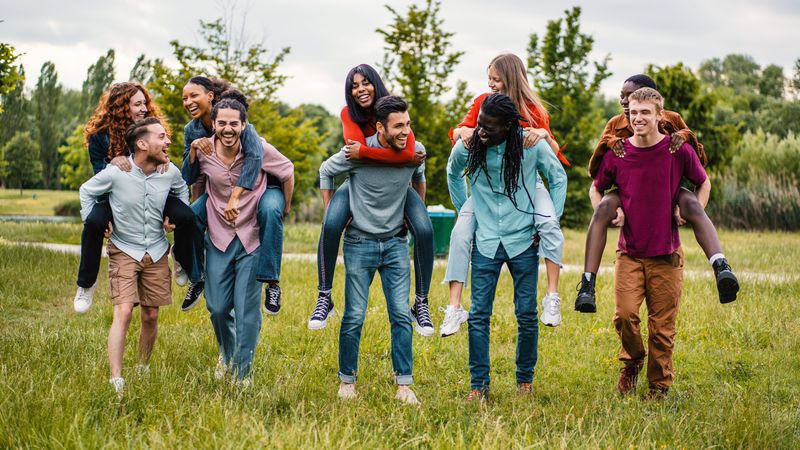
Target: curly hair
(113, 115)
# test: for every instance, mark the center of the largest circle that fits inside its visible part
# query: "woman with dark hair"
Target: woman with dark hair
(199, 96)
(119, 107)
(363, 87)
(507, 76)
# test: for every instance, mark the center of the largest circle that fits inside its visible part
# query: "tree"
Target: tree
(21, 155)
(418, 61)
(46, 99)
(10, 75)
(75, 166)
(142, 70)
(796, 78)
(15, 113)
(560, 69)
(772, 81)
(98, 78)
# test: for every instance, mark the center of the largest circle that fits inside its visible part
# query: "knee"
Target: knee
(96, 222)
(624, 316)
(271, 205)
(606, 210)
(217, 311)
(691, 209)
(123, 313)
(353, 319)
(149, 318)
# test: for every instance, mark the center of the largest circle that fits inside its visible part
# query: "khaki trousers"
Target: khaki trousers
(658, 281)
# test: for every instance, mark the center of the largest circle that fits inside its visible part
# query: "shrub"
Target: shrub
(68, 208)
(769, 202)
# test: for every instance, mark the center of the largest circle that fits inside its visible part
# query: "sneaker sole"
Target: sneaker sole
(267, 311)
(551, 324)
(728, 287)
(192, 305)
(585, 307)
(323, 324)
(421, 330)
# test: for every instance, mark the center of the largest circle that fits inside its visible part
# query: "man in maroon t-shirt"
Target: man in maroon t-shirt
(649, 262)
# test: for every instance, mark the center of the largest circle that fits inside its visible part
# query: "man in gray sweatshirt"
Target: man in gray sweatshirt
(376, 241)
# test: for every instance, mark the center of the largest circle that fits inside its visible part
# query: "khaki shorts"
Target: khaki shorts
(139, 282)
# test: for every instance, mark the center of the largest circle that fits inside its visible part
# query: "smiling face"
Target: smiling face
(627, 89)
(154, 145)
(491, 130)
(495, 82)
(228, 127)
(138, 105)
(396, 130)
(197, 100)
(644, 117)
(363, 91)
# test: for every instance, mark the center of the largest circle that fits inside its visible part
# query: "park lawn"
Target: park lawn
(33, 202)
(736, 383)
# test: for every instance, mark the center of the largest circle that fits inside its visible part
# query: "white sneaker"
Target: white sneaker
(181, 277)
(143, 369)
(83, 299)
(407, 396)
(453, 318)
(118, 383)
(551, 310)
(347, 391)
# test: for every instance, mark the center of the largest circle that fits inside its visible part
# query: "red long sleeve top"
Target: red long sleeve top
(352, 131)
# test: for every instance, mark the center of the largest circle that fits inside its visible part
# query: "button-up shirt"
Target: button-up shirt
(137, 203)
(251, 147)
(220, 181)
(498, 220)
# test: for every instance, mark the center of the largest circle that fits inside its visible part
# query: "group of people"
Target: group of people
(230, 237)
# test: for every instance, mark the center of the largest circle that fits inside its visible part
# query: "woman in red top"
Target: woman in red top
(363, 87)
(507, 76)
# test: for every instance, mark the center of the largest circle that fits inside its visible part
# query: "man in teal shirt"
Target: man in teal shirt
(502, 175)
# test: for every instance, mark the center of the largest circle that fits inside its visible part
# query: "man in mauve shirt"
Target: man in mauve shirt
(233, 295)
(649, 262)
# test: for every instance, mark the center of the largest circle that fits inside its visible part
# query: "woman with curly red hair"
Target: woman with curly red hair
(120, 106)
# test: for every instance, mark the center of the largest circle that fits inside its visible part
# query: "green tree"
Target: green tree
(21, 155)
(142, 70)
(772, 81)
(677, 84)
(46, 100)
(75, 165)
(98, 78)
(417, 62)
(560, 67)
(10, 75)
(15, 113)
(796, 78)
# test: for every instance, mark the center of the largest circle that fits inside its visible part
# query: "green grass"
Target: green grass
(11, 203)
(736, 383)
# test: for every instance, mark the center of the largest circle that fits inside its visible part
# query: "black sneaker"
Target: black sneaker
(422, 316)
(193, 295)
(272, 299)
(727, 284)
(585, 301)
(323, 312)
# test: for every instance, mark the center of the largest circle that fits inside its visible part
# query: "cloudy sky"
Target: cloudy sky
(328, 37)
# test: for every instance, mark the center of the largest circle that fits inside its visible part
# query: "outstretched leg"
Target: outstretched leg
(604, 214)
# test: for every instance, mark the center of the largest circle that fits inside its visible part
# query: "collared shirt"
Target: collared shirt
(220, 181)
(619, 128)
(499, 221)
(377, 191)
(137, 203)
(251, 147)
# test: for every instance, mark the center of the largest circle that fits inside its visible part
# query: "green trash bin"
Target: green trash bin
(443, 221)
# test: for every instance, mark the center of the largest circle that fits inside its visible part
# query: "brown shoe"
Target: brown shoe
(627, 379)
(478, 395)
(524, 388)
(657, 393)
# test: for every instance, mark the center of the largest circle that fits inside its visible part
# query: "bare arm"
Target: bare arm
(326, 196)
(420, 188)
(594, 195)
(703, 192)
(288, 192)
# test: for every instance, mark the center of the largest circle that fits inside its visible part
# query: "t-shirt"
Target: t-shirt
(649, 182)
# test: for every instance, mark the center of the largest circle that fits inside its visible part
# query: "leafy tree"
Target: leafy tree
(10, 74)
(46, 100)
(560, 67)
(21, 155)
(417, 62)
(779, 117)
(98, 78)
(677, 84)
(142, 70)
(772, 81)
(796, 78)
(75, 165)
(15, 113)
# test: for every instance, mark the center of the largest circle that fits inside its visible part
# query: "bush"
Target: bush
(766, 203)
(68, 208)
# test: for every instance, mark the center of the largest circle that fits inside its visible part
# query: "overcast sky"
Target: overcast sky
(329, 37)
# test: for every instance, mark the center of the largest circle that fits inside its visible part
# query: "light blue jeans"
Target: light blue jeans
(362, 258)
(233, 297)
(551, 244)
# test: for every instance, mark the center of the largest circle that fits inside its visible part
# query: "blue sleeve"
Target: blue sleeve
(253, 157)
(98, 152)
(456, 182)
(553, 170)
(189, 171)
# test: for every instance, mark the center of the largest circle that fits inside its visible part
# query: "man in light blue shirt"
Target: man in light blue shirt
(137, 268)
(503, 177)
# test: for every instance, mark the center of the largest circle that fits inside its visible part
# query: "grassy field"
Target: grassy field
(736, 386)
(32, 202)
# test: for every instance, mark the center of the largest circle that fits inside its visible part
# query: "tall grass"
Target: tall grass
(736, 383)
(761, 203)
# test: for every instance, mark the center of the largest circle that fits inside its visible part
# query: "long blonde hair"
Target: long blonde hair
(512, 74)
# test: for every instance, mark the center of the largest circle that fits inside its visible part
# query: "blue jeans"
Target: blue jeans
(336, 217)
(362, 257)
(270, 223)
(233, 297)
(485, 272)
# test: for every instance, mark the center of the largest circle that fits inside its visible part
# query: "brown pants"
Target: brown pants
(658, 281)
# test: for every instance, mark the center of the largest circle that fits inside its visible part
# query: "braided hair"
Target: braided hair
(503, 108)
